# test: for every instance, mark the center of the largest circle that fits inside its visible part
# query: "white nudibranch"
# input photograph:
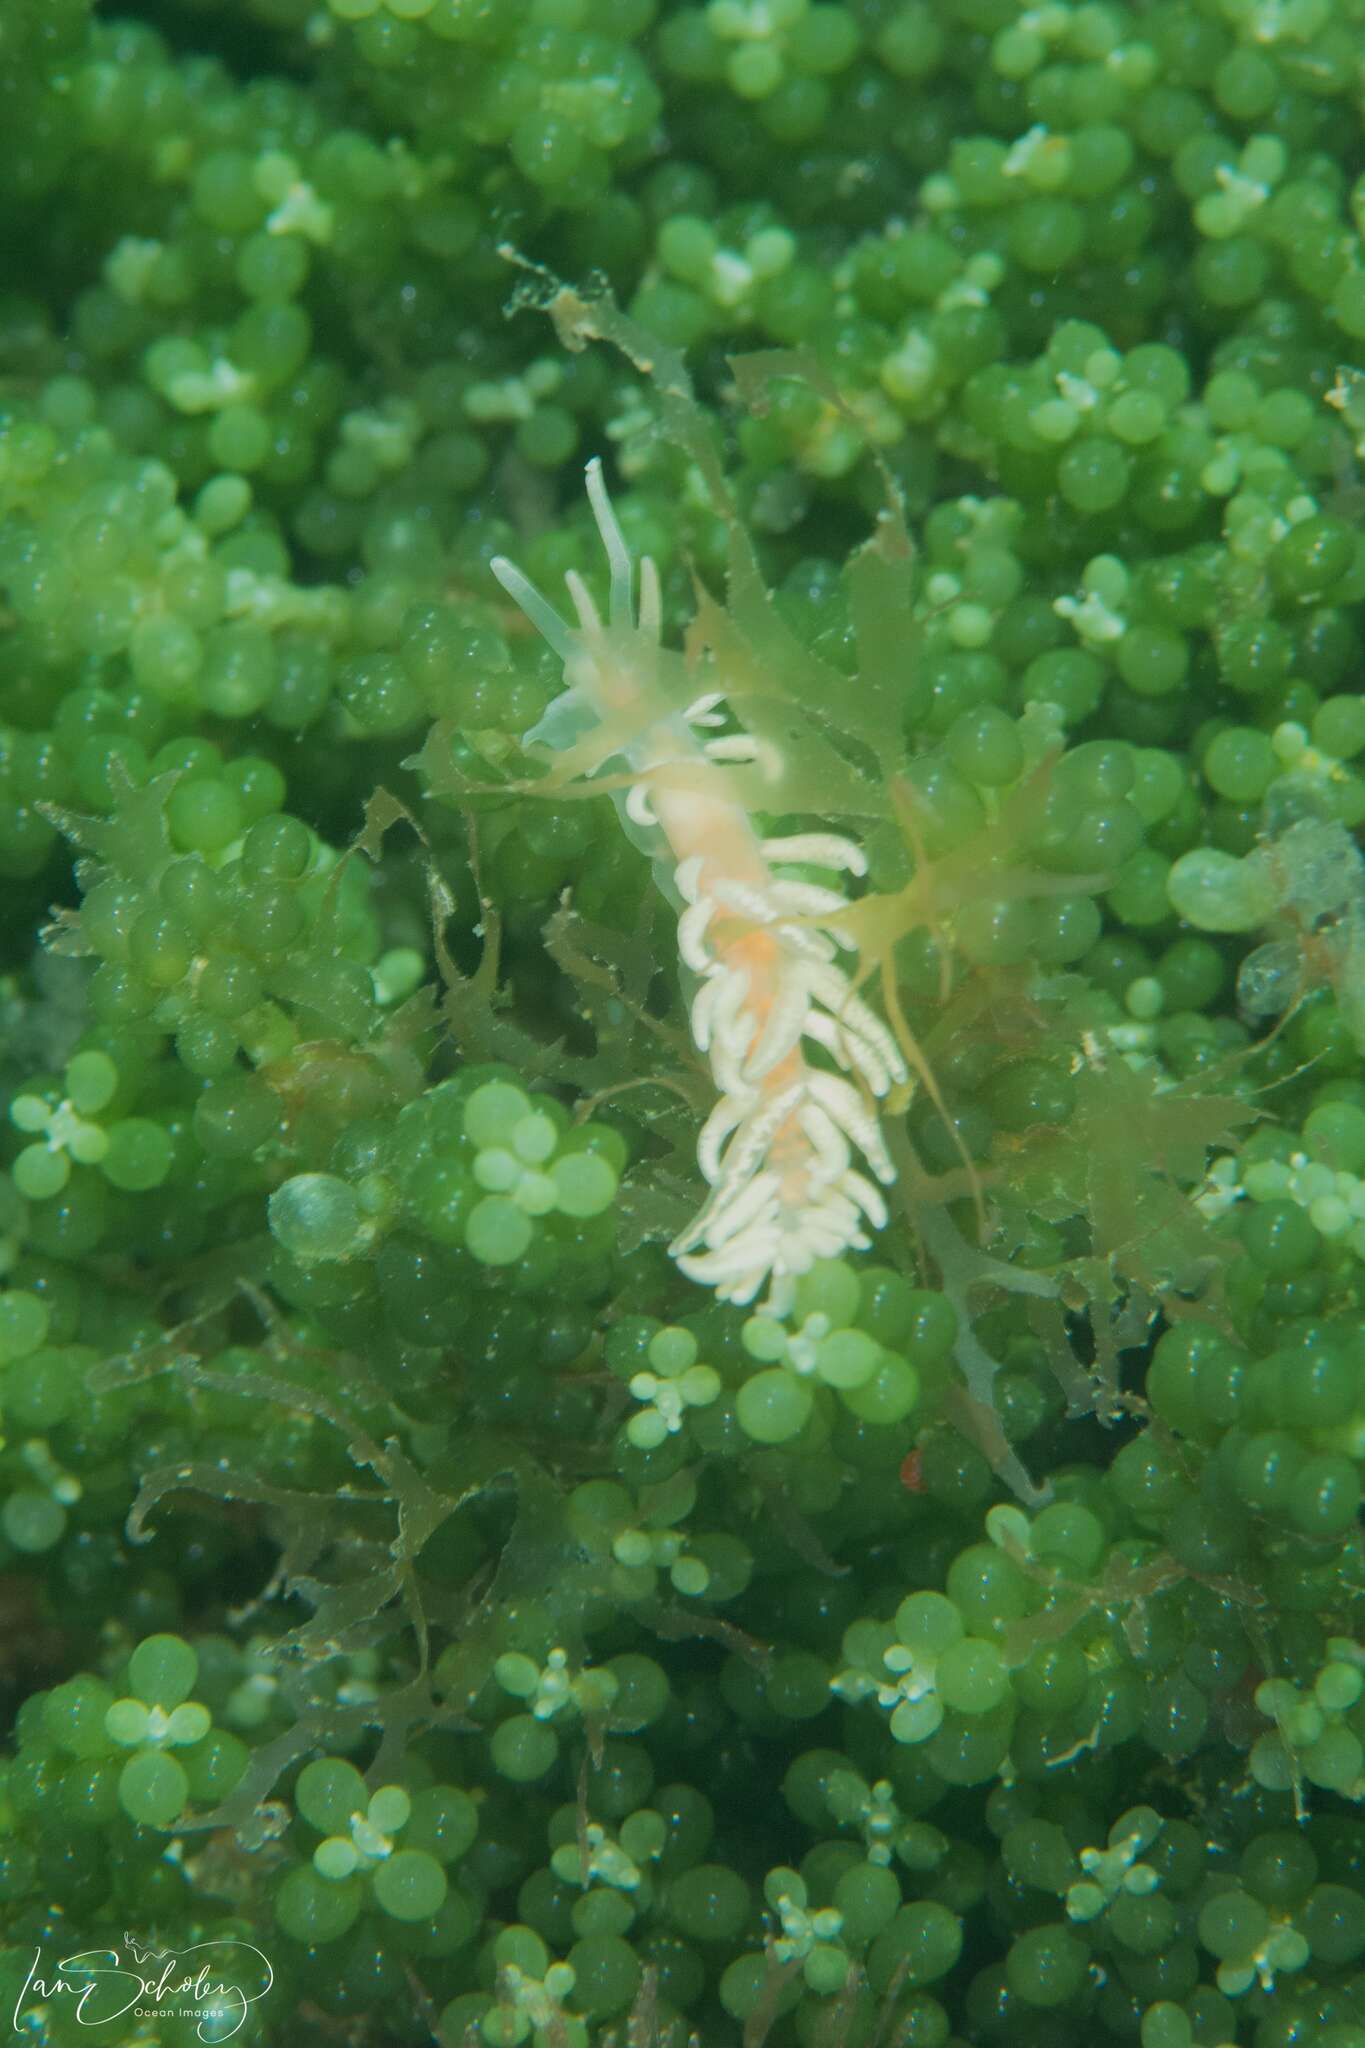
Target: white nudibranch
(781, 1148)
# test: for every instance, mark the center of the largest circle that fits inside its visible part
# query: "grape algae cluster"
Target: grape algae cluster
(434, 1584)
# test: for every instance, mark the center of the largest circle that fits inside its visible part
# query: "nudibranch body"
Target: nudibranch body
(793, 1151)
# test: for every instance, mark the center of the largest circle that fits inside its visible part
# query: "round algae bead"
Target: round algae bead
(152, 1788)
(709, 1903)
(91, 1082)
(138, 1155)
(985, 746)
(493, 1112)
(73, 1715)
(39, 1173)
(314, 1910)
(410, 1885)
(1333, 1132)
(1278, 1868)
(498, 1231)
(444, 1822)
(1232, 1924)
(868, 1896)
(585, 1184)
(773, 1407)
(329, 1791)
(24, 1321)
(1093, 475)
(847, 1358)
(316, 1216)
(922, 1944)
(927, 1623)
(606, 1975)
(1325, 1498)
(1047, 1966)
(523, 1749)
(203, 816)
(32, 1521)
(887, 1395)
(830, 1288)
(1241, 764)
(162, 1670)
(1216, 892)
(971, 1676)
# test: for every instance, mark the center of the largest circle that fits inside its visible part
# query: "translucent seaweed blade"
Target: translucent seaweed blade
(881, 601)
